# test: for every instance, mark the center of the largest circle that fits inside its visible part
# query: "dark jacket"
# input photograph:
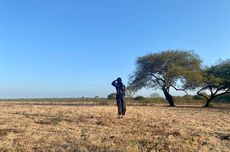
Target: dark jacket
(120, 87)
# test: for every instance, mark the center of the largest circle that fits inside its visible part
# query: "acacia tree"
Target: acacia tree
(165, 70)
(216, 80)
(130, 92)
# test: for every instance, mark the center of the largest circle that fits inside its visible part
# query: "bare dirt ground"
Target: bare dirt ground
(97, 128)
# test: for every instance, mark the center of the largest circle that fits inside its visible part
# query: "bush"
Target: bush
(112, 96)
(139, 98)
(197, 97)
(224, 98)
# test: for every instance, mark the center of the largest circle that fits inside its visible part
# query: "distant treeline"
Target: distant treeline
(180, 100)
(138, 100)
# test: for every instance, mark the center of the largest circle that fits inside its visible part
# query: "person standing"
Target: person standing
(120, 88)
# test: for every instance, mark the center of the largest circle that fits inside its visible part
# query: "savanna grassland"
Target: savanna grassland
(62, 128)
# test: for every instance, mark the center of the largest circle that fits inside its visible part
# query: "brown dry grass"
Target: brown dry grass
(96, 128)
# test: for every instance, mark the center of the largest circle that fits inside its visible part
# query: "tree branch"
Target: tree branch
(200, 94)
(179, 89)
(158, 79)
(227, 91)
(210, 88)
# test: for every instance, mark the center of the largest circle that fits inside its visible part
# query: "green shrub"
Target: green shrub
(197, 97)
(139, 98)
(224, 98)
(112, 96)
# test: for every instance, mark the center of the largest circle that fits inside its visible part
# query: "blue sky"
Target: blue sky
(75, 48)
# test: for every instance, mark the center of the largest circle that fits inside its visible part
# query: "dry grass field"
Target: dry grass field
(96, 128)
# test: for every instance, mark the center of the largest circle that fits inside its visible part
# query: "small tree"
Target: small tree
(112, 96)
(130, 92)
(216, 80)
(165, 70)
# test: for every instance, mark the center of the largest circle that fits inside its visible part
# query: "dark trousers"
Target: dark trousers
(121, 105)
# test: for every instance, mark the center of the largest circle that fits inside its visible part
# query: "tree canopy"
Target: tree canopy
(165, 70)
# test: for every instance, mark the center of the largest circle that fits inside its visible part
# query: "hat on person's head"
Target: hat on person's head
(119, 79)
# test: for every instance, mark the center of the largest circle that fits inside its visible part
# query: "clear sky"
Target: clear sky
(75, 48)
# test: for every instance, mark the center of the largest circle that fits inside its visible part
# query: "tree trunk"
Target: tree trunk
(207, 104)
(169, 98)
(213, 96)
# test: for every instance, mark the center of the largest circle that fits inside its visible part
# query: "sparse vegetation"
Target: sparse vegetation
(33, 127)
